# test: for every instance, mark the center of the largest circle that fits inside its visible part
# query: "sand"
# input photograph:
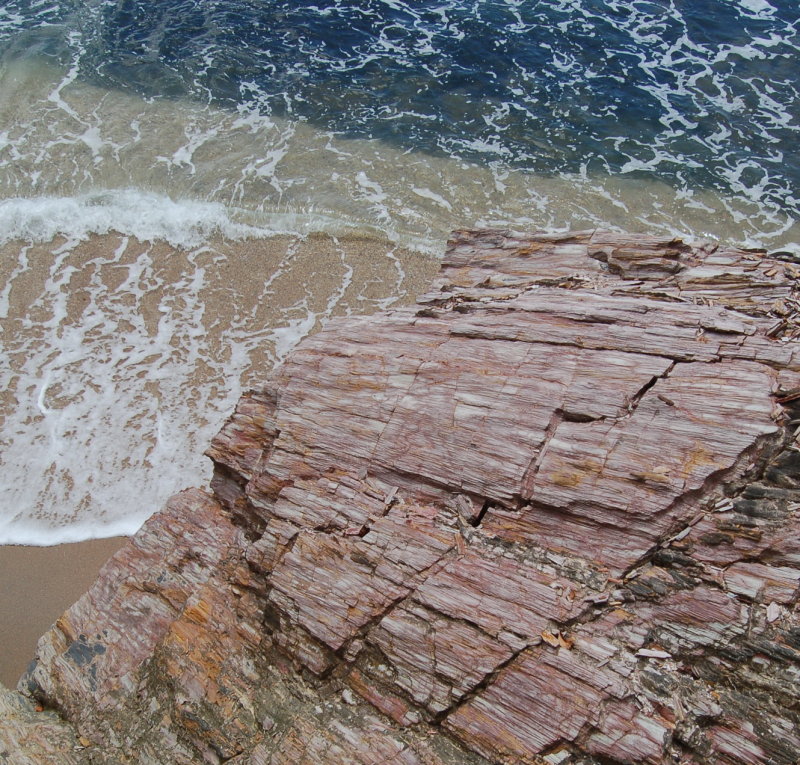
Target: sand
(39, 584)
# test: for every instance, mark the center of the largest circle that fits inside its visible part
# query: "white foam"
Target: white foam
(184, 223)
(287, 337)
(146, 216)
(115, 402)
(757, 7)
(433, 196)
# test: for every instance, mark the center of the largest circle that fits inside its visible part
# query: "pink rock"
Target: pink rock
(537, 517)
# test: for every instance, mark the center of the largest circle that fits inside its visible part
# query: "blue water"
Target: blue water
(151, 149)
(700, 94)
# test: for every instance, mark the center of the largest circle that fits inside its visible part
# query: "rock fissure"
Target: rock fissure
(476, 521)
(529, 477)
(486, 682)
(648, 386)
(476, 335)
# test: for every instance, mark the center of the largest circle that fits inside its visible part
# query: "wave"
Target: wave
(188, 189)
(148, 217)
(115, 156)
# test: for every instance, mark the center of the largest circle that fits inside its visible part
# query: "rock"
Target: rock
(549, 514)
(30, 735)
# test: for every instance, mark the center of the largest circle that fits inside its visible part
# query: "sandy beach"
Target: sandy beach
(39, 584)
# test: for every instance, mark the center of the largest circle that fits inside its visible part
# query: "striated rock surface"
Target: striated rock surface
(547, 515)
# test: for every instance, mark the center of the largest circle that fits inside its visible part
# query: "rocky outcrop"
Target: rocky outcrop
(547, 515)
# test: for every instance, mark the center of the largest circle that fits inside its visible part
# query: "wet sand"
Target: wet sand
(121, 359)
(39, 584)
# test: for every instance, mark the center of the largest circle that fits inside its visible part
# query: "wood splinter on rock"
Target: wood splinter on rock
(548, 514)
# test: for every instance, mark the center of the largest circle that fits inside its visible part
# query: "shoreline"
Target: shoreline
(126, 357)
(377, 570)
(40, 584)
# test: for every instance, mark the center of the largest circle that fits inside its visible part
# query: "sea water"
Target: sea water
(188, 187)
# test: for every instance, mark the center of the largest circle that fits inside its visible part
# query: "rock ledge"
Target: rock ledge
(547, 515)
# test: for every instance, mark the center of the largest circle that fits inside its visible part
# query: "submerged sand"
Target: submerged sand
(119, 360)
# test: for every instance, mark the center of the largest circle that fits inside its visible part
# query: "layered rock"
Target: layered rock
(549, 514)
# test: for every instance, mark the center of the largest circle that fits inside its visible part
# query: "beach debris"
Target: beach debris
(723, 505)
(556, 639)
(682, 534)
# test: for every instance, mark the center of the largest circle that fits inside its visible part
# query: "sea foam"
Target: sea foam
(146, 216)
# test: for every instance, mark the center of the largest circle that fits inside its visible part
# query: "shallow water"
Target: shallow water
(186, 188)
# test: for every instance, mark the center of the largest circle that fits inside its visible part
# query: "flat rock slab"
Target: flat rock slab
(547, 515)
